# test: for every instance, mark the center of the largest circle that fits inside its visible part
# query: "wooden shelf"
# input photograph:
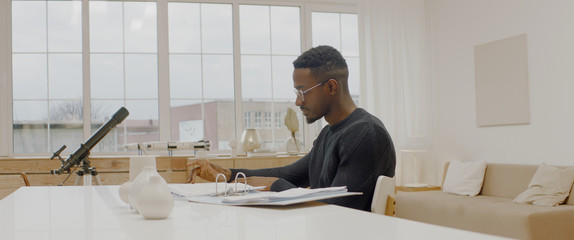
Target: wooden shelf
(114, 170)
(418, 189)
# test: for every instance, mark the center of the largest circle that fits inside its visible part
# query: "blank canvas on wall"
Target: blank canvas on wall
(501, 77)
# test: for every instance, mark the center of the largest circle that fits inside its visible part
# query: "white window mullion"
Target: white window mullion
(87, 95)
(237, 74)
(271, 65)
(306, 43)
(163, 72)
(341, 31)
(125, 130)
(6, 132)
(48, 100)
(201, 56)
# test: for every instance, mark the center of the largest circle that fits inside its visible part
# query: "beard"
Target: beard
(311, 120)
(310, 117)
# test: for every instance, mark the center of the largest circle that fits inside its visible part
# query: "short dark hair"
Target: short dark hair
(325, 62)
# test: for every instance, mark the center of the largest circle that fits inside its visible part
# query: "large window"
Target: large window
(270, 41)
(47, 75)
(123, 70)
(201, 71)
(221, 68)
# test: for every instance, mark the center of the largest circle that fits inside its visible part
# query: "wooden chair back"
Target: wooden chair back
(11, 182)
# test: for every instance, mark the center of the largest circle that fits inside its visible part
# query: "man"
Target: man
(353, 150)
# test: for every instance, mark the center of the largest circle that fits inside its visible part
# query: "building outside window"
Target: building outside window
(247, 121)
(267, 120)
(279, 120)
(257, 120)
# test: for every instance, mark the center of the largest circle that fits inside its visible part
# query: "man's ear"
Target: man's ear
(332, 86)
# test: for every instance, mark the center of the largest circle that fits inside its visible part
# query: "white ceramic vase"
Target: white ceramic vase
(137, 163)
(125, 191)
(155, 200)
(250, 140)
(140, 183)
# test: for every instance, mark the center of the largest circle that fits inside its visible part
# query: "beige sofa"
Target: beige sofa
(492, 211)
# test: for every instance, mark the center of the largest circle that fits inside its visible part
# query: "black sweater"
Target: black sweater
(352, 153)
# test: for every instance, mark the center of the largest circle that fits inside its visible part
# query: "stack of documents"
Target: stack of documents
(201, 192)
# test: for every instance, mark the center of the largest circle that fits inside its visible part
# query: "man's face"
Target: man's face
(313, 104)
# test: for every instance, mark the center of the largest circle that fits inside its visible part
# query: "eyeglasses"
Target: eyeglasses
(301, 94)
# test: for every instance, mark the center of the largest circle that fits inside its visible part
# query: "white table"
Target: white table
(96, 212)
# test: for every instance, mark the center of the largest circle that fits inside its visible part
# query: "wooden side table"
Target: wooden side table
(418, 189)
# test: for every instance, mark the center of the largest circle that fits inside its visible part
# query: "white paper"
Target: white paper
(287, 194)
(202, 193)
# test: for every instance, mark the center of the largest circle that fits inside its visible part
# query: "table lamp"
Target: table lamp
(416, 167)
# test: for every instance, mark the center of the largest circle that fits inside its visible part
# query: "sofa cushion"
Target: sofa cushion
(507, 180)
(549, 186)
(464, 178)
(486, 214)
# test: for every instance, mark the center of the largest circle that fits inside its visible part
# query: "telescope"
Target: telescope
(81, 155)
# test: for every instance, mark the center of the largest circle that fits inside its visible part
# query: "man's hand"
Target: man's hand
(206, 170)
(261, 181)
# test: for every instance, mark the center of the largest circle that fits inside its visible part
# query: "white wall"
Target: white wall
(455, 27)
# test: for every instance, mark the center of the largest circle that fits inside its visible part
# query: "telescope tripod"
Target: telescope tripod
(86, 174)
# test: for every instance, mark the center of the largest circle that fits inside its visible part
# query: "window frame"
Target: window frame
(306, 9)
(6, 78)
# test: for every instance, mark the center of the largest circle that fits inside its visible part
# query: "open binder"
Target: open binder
(243, 194)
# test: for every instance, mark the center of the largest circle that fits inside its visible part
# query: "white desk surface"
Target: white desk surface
(96, 212)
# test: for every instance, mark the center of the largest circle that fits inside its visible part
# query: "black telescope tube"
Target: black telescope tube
(85, 148)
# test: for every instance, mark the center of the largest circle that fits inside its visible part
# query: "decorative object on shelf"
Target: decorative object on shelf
(292, 123)
(233, 146)
(139, 184)
(155, 200)
(137, 163)
(250, 140)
